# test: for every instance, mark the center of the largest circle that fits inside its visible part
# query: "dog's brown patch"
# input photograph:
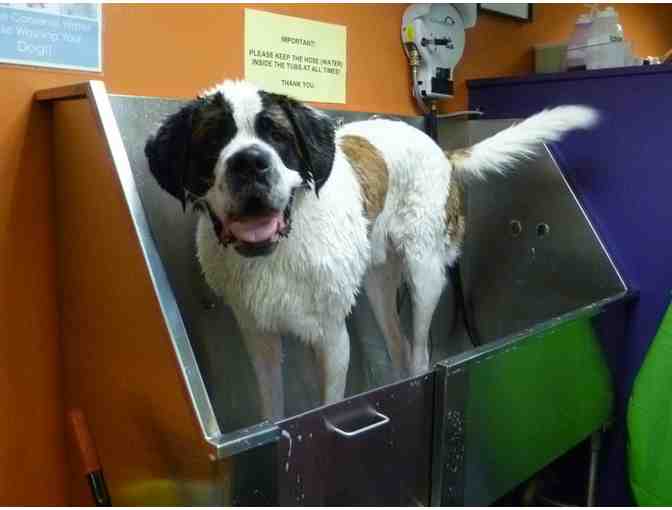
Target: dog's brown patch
(455, 206)
(458, 155)
(455, 217)
(371, 171)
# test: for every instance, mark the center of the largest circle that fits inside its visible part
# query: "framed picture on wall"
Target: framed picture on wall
(521, 12)
(46, 34)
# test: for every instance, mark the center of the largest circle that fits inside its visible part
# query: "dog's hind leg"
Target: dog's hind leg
(382, 283)
(427, 279)
(265, 352)
(332, 352)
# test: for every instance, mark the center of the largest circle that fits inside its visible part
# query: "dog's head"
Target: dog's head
(239, 154)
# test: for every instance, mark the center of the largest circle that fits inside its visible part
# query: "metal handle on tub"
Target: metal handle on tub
(383, 420)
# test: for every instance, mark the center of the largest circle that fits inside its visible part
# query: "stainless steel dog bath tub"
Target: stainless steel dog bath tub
(155, 361)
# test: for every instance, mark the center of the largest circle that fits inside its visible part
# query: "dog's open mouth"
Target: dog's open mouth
(255, 235)
(251, 235)
(261, 229)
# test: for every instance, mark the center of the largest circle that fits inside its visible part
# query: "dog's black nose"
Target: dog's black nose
(250, 162)
(250, 171)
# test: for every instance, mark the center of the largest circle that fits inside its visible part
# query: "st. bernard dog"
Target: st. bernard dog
(297, 215)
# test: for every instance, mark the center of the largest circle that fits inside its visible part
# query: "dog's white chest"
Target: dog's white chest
(308, 284)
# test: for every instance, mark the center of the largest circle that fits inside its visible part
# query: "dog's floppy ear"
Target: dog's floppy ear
(315, 138)
(168, 151)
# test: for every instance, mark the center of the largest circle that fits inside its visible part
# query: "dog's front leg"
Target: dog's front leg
(265, 352)
(333, 357)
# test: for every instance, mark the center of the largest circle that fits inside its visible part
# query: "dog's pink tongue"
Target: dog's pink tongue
(256, 230)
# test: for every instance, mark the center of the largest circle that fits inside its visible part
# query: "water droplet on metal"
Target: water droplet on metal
(516, 227)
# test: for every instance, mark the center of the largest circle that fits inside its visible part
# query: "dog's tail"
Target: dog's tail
(520, 141)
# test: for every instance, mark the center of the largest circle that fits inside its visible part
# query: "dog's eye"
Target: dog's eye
(278, 136)
(264, 124)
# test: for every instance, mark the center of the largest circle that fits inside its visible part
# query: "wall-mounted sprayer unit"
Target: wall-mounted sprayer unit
(433, 39)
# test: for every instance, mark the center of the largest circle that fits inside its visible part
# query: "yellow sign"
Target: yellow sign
(301, 58)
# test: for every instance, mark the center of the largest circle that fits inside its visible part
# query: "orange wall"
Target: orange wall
(207, 41)
(176, 51)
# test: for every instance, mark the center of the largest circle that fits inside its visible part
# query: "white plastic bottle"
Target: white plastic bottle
(576, 46)
(605, 41)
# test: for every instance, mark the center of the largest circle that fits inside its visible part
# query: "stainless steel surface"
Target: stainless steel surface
(554, 267)
(449, 443)
(382, 420)
(462, 113)
(388, 466)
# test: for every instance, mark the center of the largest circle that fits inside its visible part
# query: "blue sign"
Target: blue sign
(66, 36)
